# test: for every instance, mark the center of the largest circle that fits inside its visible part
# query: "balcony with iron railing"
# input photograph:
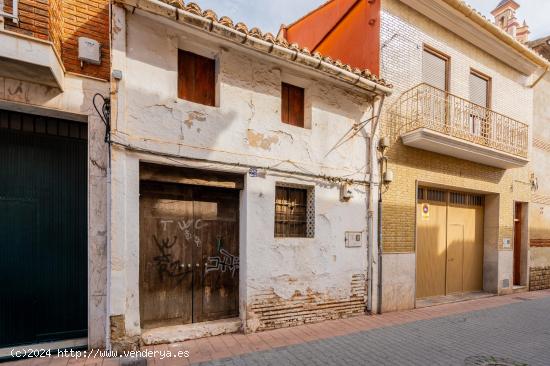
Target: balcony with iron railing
(432, 119)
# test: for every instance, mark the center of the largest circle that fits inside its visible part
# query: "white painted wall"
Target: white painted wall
(243, 128)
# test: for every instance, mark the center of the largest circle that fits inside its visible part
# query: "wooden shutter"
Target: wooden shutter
(479, 90)
(196, 78)
(435, 69)
(292, 105)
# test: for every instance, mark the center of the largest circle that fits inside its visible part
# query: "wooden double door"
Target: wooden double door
(189, 253)
(449, 243)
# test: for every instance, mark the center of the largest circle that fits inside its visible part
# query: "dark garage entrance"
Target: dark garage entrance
(43, 229)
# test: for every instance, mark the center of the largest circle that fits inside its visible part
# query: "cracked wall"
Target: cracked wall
(243, 128)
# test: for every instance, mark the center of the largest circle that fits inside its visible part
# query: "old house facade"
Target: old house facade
(459, 125)
(54, 159)
(242, 191)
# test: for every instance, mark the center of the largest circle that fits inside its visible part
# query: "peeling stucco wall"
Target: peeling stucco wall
(77, 99)
(243, 128)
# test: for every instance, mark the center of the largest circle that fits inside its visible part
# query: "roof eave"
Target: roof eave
(240, 39)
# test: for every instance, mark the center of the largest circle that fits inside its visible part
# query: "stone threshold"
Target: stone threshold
(180, 333)
(452, 298)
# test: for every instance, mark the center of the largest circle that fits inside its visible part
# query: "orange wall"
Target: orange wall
(348, 30)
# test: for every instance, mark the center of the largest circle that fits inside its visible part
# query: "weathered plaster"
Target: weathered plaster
(243, 129)
(398, 281)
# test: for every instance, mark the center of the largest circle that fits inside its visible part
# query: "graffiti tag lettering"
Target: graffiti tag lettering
(165, 262)
(225, 262)
(185, 226)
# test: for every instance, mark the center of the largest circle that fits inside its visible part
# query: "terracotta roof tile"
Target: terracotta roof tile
(269, 37)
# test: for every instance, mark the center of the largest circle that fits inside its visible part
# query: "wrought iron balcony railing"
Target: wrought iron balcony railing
(425, 106)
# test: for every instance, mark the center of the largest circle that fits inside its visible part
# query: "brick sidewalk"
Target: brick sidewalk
(213, 348)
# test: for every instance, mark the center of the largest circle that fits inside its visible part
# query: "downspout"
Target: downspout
(370, 210)
(370, 213)
(382, 160)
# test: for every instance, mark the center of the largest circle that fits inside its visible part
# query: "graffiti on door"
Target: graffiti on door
(224, 262)
(165, 262)
(185, 226)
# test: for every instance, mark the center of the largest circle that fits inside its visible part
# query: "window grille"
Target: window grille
(294, 212)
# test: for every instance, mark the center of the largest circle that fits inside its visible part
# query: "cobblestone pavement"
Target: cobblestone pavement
(512, 334)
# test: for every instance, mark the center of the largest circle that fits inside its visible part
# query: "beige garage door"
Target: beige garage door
(449, 242)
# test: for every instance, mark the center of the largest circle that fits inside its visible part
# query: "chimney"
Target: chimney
(505, 19)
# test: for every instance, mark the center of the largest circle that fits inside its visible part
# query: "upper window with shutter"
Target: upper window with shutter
(196, 78)
(479, 89)
(435, 68)
(292, 105)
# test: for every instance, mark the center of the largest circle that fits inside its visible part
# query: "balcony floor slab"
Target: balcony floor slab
(426, 139)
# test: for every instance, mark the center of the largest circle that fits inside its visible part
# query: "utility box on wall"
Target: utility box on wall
(354, 239)
(89, 50)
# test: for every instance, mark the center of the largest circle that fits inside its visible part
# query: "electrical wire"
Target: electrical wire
(105, 114)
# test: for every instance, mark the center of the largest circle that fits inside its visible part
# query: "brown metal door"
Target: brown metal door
(517, 245)
(455, 256)
(166, 256)
(189, 253)
(473, 249)
(431, 248)
(449, 242)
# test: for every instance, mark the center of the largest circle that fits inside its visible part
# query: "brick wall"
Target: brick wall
(33, 18)
(86, 18)
(269, 311)
(62, 22)
(539, 278)
(403, 34)
(55, 13)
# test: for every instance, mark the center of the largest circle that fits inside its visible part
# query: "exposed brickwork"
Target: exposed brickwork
(403, 34)
(539, 278)
(55, 13)
(62, 22)
(271, 311)
(33, 18)
(86, 18)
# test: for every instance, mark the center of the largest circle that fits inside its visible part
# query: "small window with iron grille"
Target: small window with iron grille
(294, 211)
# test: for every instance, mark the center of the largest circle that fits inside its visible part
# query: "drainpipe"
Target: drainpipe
(379, 229)
(373, 184)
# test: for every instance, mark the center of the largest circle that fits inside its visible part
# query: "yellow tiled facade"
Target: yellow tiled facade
(412, 166)
(403, 35)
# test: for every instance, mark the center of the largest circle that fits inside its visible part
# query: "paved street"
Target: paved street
(510, 330)
(516, 334)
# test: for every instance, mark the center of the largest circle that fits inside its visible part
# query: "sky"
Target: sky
(268, 15)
